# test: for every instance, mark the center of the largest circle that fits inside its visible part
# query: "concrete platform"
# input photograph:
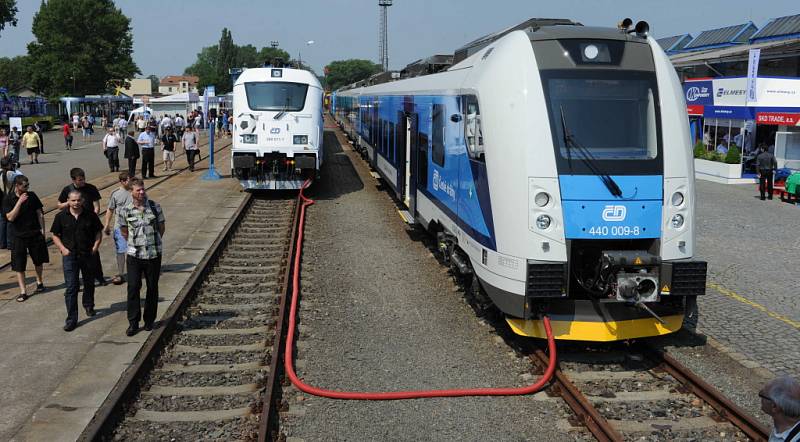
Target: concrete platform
(52, 382)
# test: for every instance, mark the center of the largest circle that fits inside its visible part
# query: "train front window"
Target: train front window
(609, 115)
(276, 96)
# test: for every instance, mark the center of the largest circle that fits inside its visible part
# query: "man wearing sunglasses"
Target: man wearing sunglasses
(781, 400)
(23, 210)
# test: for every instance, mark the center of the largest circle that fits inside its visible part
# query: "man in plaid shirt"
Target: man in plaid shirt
(141, 223)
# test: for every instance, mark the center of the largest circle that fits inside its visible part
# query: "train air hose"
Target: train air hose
(394, 395)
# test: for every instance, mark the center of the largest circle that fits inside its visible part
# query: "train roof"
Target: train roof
(286, 74)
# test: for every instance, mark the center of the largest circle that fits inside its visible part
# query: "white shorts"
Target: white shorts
(169, 155)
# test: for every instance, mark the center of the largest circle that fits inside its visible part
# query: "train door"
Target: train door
(407, 159)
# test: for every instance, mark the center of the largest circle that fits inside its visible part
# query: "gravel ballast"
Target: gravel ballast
(379, 313)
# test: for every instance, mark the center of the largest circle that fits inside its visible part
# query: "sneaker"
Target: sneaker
(117, 280)
(132, 330)
(40, 287)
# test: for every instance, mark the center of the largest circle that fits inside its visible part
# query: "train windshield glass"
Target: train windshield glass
(609, 115)
(276, 96)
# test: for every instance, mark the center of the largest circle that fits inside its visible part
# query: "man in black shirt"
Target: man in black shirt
(168, 140)
(131, 153)
(77, 233)
(23, 210)
(766, 163)
(91, 203)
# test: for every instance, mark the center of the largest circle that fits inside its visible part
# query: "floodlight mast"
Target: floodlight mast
(383, 31)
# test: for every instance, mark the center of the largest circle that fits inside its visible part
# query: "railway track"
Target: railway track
(209, 370)
(629, 393)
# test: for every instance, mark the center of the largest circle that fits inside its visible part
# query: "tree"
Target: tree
(8, 13)
(80, 45)
(213, 63)
(226, 58)
(154, 82)
(14, 72)
(205, 67)
(343, 72)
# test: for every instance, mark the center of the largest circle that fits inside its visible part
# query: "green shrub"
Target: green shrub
(734, 156)
(699, 149)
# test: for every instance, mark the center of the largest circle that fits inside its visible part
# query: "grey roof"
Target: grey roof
(674, 43)
(769, 49)
(721, 36)
(778, 27)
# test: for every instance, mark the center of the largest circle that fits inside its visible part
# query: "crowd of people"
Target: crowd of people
(135, 221)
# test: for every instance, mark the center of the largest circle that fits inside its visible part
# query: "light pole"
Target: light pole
(300, 56)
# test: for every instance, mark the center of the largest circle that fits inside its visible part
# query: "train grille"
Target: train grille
(546, 280)
(689, 278)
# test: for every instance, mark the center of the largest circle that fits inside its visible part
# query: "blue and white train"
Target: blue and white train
(554, 164)
(278, 126)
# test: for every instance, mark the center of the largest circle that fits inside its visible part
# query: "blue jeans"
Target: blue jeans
(72, 265)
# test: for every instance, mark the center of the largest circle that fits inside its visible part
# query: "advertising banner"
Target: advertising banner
(16, 122)
(730, 91)
(778, 92)
(752, 74)
(698, 92)
(777, 118)
(730, 112)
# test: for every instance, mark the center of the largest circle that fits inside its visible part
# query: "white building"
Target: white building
(177, 84)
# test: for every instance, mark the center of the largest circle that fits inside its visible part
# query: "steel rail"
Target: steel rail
(111, 411)
(268, 423)
(741, 419)
(587, 414)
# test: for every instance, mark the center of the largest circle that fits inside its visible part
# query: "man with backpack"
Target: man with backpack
(141, 224)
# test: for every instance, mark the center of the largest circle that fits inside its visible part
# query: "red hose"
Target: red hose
(384, 396)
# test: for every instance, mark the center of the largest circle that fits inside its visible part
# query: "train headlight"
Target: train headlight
(301, 139)
(677, 199)
(541, 199)
(677, 221)
(543, 222)
(249, 138)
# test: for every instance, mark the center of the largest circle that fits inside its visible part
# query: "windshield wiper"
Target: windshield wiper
(588, 159)
(280, 114)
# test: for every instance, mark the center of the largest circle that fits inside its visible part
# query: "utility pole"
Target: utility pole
(383, 31)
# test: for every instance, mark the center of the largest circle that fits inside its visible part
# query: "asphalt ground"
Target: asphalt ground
(751, 304)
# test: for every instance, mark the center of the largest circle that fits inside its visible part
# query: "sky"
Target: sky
(168, 34)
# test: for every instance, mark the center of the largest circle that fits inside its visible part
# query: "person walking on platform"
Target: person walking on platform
(189, 141)
(119, 198)
(141, 224)
(23, 209)
(77, 233)
(131, 153)
(780, 399)
(9, 172)
(766, 164)
(122, 126)
(111, 144)
(30, 141)
(168, 147)
(91, 203)
(147, 142)
(67, 136)
(38, 129)
(15, 140)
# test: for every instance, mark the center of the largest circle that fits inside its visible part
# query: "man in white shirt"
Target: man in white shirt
(147, 143)
(111, 142)
(780, 399)
(122, 126)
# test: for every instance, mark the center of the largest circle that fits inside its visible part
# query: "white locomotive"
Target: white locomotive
(278, 127)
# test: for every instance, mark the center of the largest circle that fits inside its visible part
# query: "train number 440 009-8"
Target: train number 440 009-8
(615, 230)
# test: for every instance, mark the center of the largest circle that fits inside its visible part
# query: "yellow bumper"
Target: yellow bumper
(598, 331)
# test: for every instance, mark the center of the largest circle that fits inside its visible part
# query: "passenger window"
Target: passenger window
(437, 134)
(392, 143)
(422, 176)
